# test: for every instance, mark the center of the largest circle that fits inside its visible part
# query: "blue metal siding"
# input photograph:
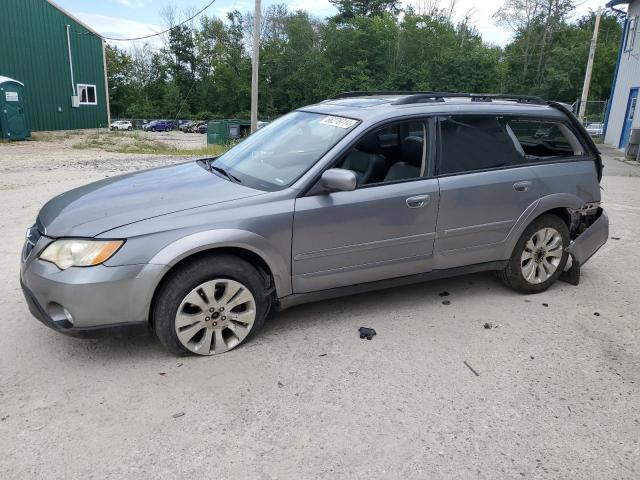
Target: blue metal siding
(33, 39)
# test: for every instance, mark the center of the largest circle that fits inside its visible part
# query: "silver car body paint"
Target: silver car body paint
(309, 242)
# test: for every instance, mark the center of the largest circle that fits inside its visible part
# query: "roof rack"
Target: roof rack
(427, 97)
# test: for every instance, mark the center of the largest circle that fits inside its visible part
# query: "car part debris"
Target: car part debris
(366, 332)
(471, 368)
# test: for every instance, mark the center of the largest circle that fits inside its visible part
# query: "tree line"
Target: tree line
(204, 68)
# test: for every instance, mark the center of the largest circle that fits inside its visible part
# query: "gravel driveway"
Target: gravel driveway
(557, 396)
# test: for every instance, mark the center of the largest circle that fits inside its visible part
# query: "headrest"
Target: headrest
(370, 143)
(412, 150)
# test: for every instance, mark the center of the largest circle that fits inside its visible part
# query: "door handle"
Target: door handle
(521, 186)
(418, 201)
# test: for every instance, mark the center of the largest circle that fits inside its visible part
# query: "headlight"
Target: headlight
(80, 253)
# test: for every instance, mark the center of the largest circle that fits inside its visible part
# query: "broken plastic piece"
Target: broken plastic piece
(366, 332)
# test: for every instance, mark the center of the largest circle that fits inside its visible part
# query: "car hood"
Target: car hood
(113, 202)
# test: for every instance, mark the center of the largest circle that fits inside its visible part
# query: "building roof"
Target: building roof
(615, 3)
(73, 17)
(7, 79)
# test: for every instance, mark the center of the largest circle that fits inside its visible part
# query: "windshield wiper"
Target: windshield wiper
(221, 170)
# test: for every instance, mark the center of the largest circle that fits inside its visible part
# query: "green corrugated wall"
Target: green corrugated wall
(33, 50)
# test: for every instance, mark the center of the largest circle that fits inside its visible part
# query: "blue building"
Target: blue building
(622, 114)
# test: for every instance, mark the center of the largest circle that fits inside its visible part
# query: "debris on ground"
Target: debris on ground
(545, 304)
(532, 357)
(162, 374)
(615, 238)
(366, 332)
(280, 384)
(597, 314)
(322, 355)
(446, 302)
(444, 294)
(489, 325)
(180, 364)
(471, 368)
(178, 415)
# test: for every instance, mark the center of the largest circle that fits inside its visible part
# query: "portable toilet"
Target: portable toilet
(13, 124)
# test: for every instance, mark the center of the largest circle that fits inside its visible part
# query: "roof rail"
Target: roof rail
(428, 96)
(475, 97)
(373, 93)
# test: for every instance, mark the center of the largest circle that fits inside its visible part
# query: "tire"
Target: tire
(539, 257)
(219, 275)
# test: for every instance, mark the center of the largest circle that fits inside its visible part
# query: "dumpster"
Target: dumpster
(13, 124)
(221, 132)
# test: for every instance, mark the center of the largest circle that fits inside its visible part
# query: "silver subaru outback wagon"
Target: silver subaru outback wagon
(363, 191)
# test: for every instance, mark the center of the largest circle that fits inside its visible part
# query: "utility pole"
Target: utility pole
(254, 67)
(587, 75)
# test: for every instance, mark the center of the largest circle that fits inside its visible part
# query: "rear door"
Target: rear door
(482, 190)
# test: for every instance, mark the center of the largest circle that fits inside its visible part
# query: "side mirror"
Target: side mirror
(339, 180)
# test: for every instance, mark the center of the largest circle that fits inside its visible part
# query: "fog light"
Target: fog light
(60, 315)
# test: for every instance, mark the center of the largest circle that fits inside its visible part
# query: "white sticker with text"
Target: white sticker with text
(339, 122)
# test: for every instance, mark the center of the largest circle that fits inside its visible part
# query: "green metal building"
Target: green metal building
(61, 62)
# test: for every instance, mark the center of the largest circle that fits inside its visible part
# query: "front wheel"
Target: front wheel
(210, 306)
(539, 257)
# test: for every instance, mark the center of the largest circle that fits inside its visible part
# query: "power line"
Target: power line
(164, 31)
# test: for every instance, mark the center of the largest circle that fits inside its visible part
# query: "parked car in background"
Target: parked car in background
(158, 126)
(201, 128)
(121, 125)
(359, 192)
(186, 126)
(595, 129)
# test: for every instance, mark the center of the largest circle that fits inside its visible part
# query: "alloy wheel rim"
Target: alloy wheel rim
(541, 255)
(215, 317)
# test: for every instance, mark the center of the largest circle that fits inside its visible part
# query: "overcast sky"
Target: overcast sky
(132, 18)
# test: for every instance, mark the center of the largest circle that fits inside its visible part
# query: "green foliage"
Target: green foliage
(204, 71)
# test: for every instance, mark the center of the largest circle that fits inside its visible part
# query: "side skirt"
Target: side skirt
(300, 298)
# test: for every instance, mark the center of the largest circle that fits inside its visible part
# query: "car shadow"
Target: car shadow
(326, 313)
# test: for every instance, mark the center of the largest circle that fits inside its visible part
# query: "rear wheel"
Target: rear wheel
(539, 257)
(210, 306)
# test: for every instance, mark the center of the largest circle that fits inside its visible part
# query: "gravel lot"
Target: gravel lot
(558, 394)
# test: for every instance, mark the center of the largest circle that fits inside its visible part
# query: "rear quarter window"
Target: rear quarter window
(543, 139)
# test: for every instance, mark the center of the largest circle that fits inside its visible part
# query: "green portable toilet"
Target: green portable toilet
(13, 124)
(220, 132)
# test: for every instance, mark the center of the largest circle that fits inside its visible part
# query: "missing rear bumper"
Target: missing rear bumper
(594, 233)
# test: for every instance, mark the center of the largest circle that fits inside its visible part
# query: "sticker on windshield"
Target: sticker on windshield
(339, 122)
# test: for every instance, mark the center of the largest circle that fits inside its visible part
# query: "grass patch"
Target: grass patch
(138, 144)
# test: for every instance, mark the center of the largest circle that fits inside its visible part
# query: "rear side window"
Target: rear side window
(541, 139)
(470, 143)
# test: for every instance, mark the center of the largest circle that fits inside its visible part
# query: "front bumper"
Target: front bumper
(89, 301)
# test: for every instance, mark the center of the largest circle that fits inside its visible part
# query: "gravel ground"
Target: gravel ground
(557, 396)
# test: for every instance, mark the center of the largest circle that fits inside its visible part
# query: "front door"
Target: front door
(385, 228)
(628, 117)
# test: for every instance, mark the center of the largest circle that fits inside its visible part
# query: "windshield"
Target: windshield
(278, 154)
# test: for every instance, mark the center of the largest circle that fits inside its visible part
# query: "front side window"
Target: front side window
(542, 139)
(390, 154)
(278, 154)
(472, 142)
(87, 94)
